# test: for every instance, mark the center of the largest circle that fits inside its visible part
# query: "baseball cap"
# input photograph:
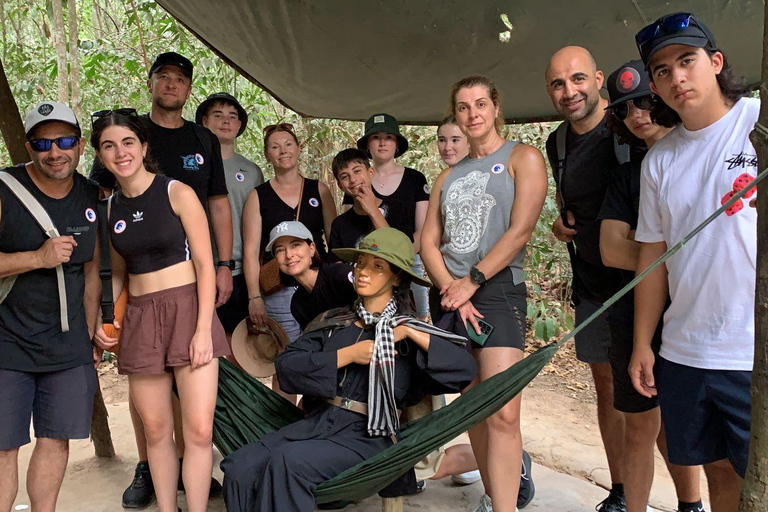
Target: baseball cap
(172, 59)
(628, 82)
(47, 112)
(677, 28)
(292, 228)
(224, 97)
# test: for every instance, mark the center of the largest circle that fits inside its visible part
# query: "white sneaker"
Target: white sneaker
(467, 478)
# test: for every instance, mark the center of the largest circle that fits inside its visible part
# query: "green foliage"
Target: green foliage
(113, 40)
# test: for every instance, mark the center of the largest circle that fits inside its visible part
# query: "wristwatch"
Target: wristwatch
(230, 264)
(476, 275)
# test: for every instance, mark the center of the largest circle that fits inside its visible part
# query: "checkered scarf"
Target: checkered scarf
(383, 419)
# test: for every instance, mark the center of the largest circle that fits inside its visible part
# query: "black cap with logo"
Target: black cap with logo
(172, 59)
(677, 28)
(628, 82)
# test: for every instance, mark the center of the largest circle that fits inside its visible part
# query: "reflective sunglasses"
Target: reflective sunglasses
(668, 25)
(288, 127)
(42, 145)
(621, 111)
(104, 113)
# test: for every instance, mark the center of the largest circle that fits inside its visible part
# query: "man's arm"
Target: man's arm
(221, 221)
(617, 248)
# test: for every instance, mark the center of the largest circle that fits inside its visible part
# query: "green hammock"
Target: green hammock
(247, 410)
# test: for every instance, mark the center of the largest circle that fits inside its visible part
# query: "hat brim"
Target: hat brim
(402, 143)
(248, 359)
(628, 97)
(202, 109)
(695, 41)
(350, 255)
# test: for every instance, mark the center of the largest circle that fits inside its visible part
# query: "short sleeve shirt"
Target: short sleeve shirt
(242, 177)
(333, 289)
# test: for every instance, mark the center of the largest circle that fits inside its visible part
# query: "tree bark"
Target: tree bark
(754, 497)
(74, 58)
(11, 125)
(100, 433)
(60, 42)
(141, 36)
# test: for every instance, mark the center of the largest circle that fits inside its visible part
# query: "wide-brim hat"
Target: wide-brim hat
(383, 123)
(223, 97)
(628, 82)
(389, 244)
(255, 349)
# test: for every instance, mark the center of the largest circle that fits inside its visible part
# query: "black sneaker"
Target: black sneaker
(527, 489)
(613, 503)
(141, 491)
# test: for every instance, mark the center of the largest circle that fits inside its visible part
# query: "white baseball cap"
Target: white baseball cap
(292, 228)
(48, 111)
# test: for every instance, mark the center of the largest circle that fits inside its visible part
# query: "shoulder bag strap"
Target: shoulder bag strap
(301, 196)
(105, 273)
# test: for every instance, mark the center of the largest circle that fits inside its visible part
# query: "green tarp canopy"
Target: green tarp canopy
(348, 59)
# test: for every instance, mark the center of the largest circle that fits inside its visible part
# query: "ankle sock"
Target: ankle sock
(685, 506)
(617, 489)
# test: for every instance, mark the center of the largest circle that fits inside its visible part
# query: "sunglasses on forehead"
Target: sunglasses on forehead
(621, 111)
(42, 145)
(288, 127)
(120, 111)
(666, 26)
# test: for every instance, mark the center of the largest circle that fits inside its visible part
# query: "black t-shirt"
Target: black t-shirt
(413, 189)
(333, 289)
(31, 339)
(181, 155)
(590, 161)
(349, 227)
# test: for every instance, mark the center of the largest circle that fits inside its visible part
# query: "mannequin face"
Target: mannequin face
(372, 275)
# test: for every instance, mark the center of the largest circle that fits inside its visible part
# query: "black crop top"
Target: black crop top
(146, 231)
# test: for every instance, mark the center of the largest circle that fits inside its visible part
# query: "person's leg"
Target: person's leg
(17, 394)
(138, 429)
(478, 439)
(9, 478)
(504, 449)
(724, 486)
(197, 395)
(178, 425)
(685, 478)
(610, 421)
(458, 459)
(46, 472)
(242, 469)
(152, 397)
(641, 432)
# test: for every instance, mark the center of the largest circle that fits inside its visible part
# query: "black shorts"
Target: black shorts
(706, 414)
(235, 309)
(59, 403)
(593, 343)
(502, 304)
(625, 396)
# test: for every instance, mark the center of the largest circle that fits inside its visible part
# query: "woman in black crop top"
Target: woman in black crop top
(159, 237)
(281, 199)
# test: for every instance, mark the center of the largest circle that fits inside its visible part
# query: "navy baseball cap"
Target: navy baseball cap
(678, 28)
(172, 59)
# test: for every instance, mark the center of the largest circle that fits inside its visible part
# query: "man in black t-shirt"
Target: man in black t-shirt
(47, 370)
(353, 173)
(582, 175)
(191, 154)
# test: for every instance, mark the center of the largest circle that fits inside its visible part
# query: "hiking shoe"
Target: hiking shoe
(467, 478)
(420, 486)
(141, 491)
(527, 489)
(485, 504)
(613, 503)
(693, 508)
(214, 492)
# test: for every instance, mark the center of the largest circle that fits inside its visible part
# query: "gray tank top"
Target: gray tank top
(476, 204)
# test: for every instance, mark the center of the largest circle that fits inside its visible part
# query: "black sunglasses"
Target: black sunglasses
(42, 145)
(668, 25)
(104, 113)
(621, 111)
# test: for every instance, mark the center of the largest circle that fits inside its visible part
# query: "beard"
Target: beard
(62, 175)
(170, 106)
(589, 108)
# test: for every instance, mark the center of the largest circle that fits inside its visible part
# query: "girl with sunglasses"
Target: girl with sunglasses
(630, 119)
(286, 197)
(159, 237)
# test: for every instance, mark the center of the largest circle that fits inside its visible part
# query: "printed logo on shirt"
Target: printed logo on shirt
(190, 163)
(351, 277)
(739, 184)
(239, 176)
(628, 80)
(199, 159)
(78, 230)
(426, 188)
(498, 169)
(741, 161)
(120, 226)
(90, 215)
(138, 216)
(313, 202)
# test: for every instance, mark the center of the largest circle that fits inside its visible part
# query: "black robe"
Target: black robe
(282, 470)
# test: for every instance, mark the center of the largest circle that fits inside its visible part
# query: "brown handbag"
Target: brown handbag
(269, 274)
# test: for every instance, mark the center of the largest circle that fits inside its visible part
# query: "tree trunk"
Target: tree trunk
(3, 28)
(74, 58)
(60, 42)
(141, 35)
(98, 27)
(11, 125)
(754, 497)
(100, 434)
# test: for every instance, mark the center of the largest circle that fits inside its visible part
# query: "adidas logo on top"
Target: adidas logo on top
(138, 216)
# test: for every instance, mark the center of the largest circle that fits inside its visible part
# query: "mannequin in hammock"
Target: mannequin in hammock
(342, 365)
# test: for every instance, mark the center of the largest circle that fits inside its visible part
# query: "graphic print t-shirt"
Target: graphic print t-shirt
(685, 177)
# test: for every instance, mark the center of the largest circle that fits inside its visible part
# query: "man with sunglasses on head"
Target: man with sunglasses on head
(583, 156)
(707, 344)
(187, 152)
(47, 369)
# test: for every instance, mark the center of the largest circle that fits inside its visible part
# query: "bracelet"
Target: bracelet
(255, 297)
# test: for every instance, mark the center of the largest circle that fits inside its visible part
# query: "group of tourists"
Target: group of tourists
(200, 243)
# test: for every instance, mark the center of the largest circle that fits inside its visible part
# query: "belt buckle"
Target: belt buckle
(346, 403)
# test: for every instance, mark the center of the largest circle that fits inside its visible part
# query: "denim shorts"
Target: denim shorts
(59, 403)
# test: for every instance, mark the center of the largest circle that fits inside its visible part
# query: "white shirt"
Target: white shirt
(685, 176)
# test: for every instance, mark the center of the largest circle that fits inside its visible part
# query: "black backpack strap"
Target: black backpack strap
(105, 273)
(622, 151)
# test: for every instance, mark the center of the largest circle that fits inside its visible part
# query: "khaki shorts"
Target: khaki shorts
(158, 328)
